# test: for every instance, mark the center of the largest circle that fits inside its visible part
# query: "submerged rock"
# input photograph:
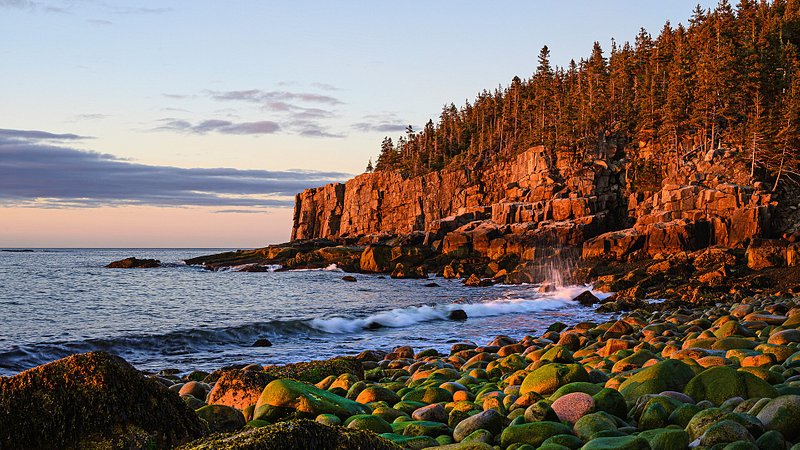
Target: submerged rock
(134, 263)
(92, 400)
(457, 314)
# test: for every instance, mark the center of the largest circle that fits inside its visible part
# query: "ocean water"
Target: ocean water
(56, 302)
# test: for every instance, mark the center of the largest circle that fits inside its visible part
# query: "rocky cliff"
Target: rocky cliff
(537, 186)
(634, 204)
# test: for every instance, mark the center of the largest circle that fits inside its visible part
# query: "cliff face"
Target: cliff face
(535, 186)
(617, 206)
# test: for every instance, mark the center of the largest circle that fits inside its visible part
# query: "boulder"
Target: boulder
(91, 399)
(306, 400)
(239, 388)
(221, 418)
(668, 375)
(572, 407)
(718, 384)
(489, 420)
(316, 371)
(294, 434)
(376, 259)
(782, 414)
(368, 422)
(617, 443)
(586, 298)
(533, 434)
(548, 378)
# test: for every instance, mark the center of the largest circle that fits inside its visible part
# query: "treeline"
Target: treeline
(731, 78)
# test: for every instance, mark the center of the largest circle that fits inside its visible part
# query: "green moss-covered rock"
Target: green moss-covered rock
(724, 432)
(533, 434)
(368, 422)
(610, 401)
(305, 399)
(704, 419)
(617, 443)
(328, 419)
(315, 371)
(90, 399)
(423, 428)
(718, 384)
(683, 414)
(565, 440)
(410, 442)
(668, 375)
(589, 425)
(540, 411)
(666, 438)
(221, 418)
(782, 414)
(547, 379)
(292, 435)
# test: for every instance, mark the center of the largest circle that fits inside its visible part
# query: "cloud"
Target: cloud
(311, 129)
(300, 113)
(39, 135)
(34, 173)
(95, 116)
(221, 126)
(101, 22)
(380, 123)
(325, 86)
(264, 97)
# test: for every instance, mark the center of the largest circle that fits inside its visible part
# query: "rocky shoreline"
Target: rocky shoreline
(720, 376)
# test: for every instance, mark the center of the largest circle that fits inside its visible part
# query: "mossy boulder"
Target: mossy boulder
(565, 440)
(305, 399)
(368, 422)
(292, 435)
(617, 443)
(547, 379)
(315, 371)
(532, 433)
(782, 414)
(724, 432)
(424, 428)
(666, 438)
(92, 399)
(591, 424)
(718, 384)
(221, 418)
(668, 375)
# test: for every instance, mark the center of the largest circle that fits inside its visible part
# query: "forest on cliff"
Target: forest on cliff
(729, 79)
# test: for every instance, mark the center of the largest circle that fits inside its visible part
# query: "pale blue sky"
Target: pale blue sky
(266, 85)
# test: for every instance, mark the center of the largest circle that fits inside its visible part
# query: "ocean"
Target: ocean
(56, 302)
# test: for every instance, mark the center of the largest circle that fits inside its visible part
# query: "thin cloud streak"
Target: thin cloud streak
(37, 174)
(39, 135)
(221, 126)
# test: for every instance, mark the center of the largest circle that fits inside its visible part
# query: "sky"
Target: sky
(194, 123)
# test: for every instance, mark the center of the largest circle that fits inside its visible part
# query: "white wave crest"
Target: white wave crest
(404, 317)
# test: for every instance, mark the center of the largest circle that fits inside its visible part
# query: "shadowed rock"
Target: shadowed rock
(134, 263)
(295, 434)
(91, 400)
